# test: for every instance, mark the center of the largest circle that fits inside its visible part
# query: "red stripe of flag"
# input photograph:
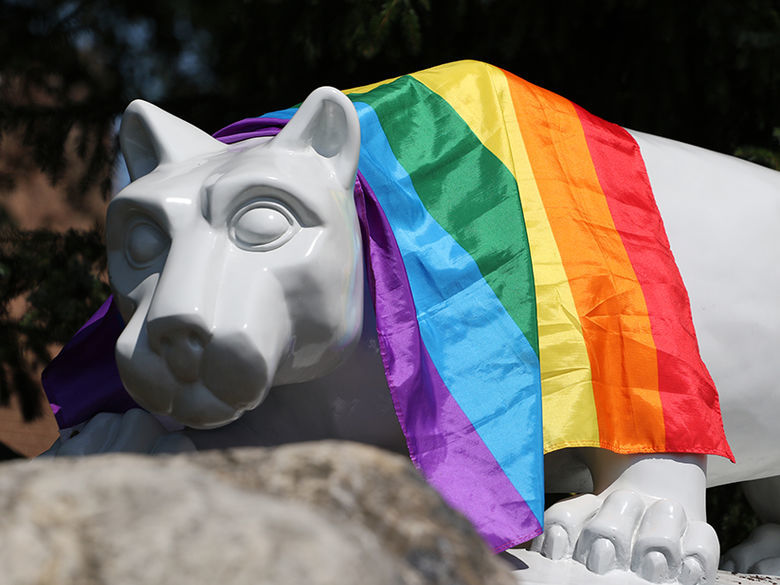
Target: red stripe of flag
(683, 380)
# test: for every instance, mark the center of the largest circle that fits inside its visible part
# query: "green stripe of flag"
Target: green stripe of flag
(465, 187)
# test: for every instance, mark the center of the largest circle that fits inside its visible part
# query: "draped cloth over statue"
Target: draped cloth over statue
(521, 273)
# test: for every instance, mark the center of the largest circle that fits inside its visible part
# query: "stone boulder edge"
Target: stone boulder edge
(309, 514)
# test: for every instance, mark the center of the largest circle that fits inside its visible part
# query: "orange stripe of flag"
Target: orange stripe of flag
(608, 297)
(690, 401)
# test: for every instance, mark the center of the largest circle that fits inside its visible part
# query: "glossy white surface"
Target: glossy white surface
(238, 268)
(235, 267)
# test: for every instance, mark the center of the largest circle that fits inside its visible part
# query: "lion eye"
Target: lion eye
(144, 243)
(263, 227)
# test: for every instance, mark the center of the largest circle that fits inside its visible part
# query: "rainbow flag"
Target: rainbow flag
(521, 273)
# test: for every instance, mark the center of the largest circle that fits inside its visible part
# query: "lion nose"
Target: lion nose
(180, 343)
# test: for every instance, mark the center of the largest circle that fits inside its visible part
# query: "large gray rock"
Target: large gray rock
(312, 513)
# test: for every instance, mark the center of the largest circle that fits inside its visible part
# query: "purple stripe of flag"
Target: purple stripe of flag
(83, 379)
(457, 463)
(249, 128)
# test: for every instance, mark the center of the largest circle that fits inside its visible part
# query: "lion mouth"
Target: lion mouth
(199, 385)
(198, 407)
(214, 382)
(235, 371)
(193, 404)
(219, 395)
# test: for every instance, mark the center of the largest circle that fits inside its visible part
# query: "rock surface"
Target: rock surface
(311, 513)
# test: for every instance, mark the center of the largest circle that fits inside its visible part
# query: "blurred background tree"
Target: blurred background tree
(703, 73)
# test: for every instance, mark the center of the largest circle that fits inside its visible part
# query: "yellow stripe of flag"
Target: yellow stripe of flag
(567, 391)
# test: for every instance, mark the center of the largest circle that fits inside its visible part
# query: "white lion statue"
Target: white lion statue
(501, 257)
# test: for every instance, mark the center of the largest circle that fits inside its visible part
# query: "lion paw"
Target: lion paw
(135, 431)
(625, 531)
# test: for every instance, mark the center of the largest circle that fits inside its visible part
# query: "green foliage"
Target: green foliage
(702, 73)
(760, 155)
(58, 276)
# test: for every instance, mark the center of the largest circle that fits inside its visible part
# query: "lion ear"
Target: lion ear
(327, 123)
(150, 136)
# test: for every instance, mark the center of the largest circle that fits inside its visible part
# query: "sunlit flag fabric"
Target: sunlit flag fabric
(520, 273)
